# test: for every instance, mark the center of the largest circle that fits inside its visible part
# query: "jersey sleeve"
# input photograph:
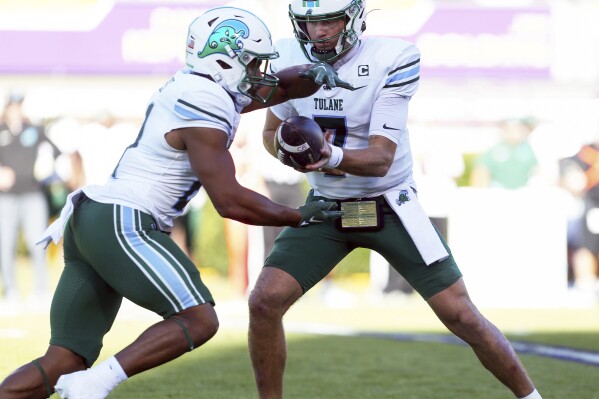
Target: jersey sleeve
(284, 110)
(404, 74)
(204, 109)
(389, 117)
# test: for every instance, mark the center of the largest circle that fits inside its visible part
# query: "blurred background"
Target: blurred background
(504, 131)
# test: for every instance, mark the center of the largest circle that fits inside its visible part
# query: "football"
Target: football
(298, 141)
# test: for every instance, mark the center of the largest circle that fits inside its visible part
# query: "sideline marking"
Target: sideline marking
(590, 358)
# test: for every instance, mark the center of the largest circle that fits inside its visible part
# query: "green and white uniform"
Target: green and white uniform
(386, 72)
(151, 175)
(116, 239)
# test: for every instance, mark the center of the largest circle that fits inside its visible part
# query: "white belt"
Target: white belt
(405, 204)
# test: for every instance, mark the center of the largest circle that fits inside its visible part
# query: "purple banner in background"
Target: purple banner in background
(131, 39)
(148, 38)
(485, 42)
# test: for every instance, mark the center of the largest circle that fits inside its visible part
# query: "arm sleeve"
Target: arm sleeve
(404, 76)
(390, 111)
(283, 110)
(197, 109)
(389, 117)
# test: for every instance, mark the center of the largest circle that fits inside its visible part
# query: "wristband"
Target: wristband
(336, 157)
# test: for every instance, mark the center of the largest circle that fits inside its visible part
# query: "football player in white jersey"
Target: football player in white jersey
(367, 168)
(116, 241)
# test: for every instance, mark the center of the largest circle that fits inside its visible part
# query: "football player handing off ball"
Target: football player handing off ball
(116, 236)
(366, 167)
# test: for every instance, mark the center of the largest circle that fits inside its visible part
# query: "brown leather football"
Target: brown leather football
(298, 141)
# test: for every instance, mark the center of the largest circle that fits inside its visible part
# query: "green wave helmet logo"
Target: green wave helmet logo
(226, 36)
(403, 198)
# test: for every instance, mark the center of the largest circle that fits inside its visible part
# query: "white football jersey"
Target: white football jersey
(380, 68)
(151, 175)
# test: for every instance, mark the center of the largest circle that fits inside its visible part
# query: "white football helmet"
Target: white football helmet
(233, 46)
(302, 11)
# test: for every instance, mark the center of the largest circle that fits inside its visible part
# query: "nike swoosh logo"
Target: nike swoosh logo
(327, 87)
(312, 220)
(387, 127)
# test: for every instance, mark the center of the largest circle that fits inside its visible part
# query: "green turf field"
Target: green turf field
(326, 362)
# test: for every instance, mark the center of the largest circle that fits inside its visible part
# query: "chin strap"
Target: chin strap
(320, 56)
(44, 376)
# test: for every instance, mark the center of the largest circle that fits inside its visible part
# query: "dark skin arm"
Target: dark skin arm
(213, 164)
(290, 86)
(372, 161)
(271, 123)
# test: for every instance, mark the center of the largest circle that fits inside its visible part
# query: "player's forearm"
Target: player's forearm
(249, 207)
(268, 139)
(292, 86)
(364, 163)
(271, 124)
(376, 160)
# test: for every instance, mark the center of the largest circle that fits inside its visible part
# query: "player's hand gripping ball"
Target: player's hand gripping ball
(298, 141)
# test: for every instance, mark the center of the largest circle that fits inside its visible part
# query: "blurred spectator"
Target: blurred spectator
(186, 227)
(510, 163)
(580, 176)
(94, 146)
(385, 280)
(101, 142)
(27, 159)
(242, 240)
(282, 184)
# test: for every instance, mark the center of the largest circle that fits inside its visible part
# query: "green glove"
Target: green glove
(318, 212)
(322, 73)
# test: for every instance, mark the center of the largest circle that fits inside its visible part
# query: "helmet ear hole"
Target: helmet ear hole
(224, 65)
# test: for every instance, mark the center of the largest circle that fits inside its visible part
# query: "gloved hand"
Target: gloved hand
(322, 73)
(318, 212)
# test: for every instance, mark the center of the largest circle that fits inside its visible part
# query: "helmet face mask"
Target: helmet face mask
(257, 76)
(224, 42)
(353, 14)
